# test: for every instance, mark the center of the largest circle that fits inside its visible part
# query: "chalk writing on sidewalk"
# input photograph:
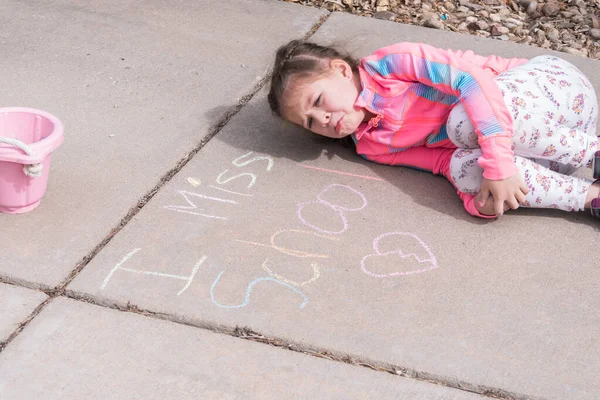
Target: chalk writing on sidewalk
(119, 266)
(276, 277)
(191, 198)
(249, 290)
(349, 194)
(327, 218)
(373, 178)
(337, 209)
(295, 253)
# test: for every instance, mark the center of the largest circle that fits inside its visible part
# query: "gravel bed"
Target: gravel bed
(570, 26)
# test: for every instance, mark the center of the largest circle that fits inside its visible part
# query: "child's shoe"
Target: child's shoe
(596, 165)
(596, 169)
(596, 205)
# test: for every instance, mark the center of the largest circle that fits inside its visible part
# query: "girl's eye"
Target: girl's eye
(317, 101)
(310, 120)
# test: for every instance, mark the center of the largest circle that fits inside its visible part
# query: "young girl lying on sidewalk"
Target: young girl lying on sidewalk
(505, 132)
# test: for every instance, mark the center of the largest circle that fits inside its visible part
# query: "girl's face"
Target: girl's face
(325, 104)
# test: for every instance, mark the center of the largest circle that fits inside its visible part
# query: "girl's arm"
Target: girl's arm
(475, 88)
(435, 160)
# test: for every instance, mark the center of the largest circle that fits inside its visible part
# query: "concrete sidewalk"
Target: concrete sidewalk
(268, 234)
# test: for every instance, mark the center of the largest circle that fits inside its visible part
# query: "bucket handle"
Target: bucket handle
(31, 170)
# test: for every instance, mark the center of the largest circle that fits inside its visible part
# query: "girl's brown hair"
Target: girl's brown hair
(300, 59)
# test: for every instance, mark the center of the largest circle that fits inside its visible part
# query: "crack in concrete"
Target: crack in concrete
(246, 333)
(24, 323)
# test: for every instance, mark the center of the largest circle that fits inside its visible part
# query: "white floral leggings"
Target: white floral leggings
(555, 111)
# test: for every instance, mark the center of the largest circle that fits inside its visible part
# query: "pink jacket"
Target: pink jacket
(411, 88)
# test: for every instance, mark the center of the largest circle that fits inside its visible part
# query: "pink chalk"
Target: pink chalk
(42, 133)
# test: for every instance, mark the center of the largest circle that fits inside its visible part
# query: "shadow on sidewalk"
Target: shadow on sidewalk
(255, 129)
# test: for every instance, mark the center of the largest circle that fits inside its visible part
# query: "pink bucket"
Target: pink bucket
(27, 139)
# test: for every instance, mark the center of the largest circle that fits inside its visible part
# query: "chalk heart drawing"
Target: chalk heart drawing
(401, 253)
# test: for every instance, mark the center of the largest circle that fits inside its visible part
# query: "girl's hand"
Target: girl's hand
(511, 191)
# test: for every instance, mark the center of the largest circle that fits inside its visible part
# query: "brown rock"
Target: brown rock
(567, 36)
(433, 23)
(553, 35)
(565, 25)
(526, 40)
(570, 50)
(513, 21)
(495, 18)
(541, 36)
(429, 15)
(450, 6)
(577, 19)
(479, 25)
(387, 15)
(594, 34)
(471, 6)
(525, 3)
(382, 5)
(576, 45)
(550, 9)
(513, 5)
(499, 30)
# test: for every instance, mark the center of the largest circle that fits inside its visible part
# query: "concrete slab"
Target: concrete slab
(76, 350)
(137, 85)
(272, 228)
(16, 304)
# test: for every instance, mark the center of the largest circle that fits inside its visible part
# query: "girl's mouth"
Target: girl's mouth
(338, 127)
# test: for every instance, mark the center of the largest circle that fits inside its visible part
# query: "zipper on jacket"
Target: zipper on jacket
(373, 123)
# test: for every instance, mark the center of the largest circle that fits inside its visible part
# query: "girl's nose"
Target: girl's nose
(325, 118)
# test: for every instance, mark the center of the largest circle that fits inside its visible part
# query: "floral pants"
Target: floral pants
(555, 111)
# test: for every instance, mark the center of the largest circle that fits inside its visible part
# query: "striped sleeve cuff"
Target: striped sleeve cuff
(497, 160)
(469, 202)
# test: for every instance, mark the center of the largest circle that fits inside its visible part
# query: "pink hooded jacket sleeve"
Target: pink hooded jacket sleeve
(435, 160)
